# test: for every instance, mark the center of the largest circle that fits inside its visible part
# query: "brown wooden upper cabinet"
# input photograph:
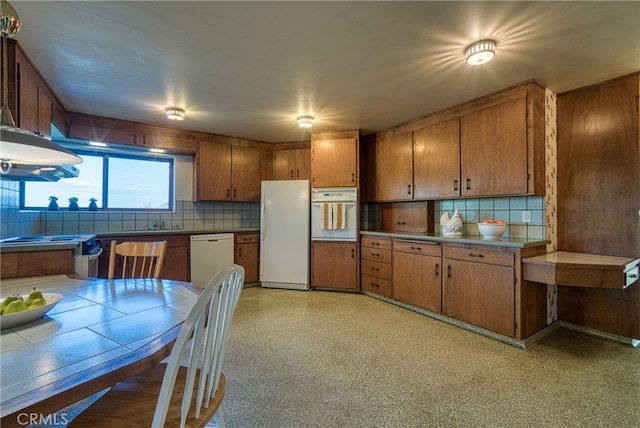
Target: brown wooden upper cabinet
(35, 106)
(107, 130)
(292, 164)
(225, 172)
(334, 162)
(436, 164)
(493, 146)
(395, 167)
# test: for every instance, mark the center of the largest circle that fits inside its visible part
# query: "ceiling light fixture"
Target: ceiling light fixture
(18, 145)
(480, 52)
(305, 121)
(174, 113)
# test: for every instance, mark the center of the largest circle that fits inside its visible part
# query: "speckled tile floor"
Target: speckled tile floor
(331, 359)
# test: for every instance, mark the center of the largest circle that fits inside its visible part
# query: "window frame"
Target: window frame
(106, 154)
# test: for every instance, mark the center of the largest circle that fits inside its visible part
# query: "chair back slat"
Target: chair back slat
(139, 259)
(205, 332)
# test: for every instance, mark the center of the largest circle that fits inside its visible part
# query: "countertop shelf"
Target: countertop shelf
(581, 270)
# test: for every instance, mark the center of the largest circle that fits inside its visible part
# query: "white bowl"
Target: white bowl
(491, 230)
(19, 318)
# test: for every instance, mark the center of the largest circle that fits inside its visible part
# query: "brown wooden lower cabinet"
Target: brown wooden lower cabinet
(482, 285)
(36, 263)
(247, 252)
(334, 265)
(375, 266)
(417, 274)
(480, 294)
(176, 261)
(474, 283)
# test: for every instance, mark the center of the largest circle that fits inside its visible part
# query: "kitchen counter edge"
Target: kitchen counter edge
(478, 240)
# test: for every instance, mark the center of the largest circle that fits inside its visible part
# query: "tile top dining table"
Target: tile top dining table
(99, 333)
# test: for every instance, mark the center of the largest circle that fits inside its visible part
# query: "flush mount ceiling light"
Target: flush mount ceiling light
(480, 52)
(18, 145)
(305, 121)
(174, 113)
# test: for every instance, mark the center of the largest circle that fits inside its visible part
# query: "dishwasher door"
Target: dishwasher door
(209, 253)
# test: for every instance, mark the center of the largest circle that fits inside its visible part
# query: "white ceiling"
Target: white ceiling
(248, 69)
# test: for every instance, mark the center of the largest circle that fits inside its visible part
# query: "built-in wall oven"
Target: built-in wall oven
(334, 214)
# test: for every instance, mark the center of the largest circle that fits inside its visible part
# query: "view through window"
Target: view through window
(115, 181)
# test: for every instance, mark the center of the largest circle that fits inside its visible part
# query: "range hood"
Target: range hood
(21, 172)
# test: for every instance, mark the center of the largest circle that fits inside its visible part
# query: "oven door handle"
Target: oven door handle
(96, 255)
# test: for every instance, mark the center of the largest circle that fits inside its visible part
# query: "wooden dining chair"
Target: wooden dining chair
(139, 259)
(171, 394)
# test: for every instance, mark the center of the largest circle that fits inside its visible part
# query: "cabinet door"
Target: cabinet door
(245, 174)
(247, 253)
(284, 164)
(480, 294)
(416, 280)
(334, 163)
(213, 172)
(395, 168)
(44, 112)
(493, 150)
(436, 160)
(303, 164)
(334, 265)
(28, 113)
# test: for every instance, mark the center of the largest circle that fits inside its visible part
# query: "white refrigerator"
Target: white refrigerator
(284, 234)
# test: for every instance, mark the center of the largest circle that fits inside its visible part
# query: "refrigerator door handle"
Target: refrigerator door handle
(263, 230)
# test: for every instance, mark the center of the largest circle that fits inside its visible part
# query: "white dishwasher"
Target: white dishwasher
(209, 253)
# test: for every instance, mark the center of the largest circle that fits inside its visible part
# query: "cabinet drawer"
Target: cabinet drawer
(417, 247)
(383, 256)
(376, 285)
(247, 238)
(371, 242)
(480, 254)
(375, 268)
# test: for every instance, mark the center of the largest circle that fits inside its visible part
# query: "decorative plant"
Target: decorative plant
(73, 199)
(53, 198)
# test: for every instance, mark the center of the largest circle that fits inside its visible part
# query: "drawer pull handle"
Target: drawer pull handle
(375, 254)
(375, 285)
(480, 256)
(448, 271)
(416, 248)
(375, 269)
(401, 222)
(633, 275)
(437, 272)
(455, 185)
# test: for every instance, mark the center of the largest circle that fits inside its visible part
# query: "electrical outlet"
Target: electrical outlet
(526, 216)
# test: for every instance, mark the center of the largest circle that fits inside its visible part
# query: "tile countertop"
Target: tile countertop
(176, 232)
(471, 239)
(18, 247)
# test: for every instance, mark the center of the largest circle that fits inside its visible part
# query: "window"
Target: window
(117, 180)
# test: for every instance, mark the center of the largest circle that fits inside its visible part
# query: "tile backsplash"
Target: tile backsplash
(195, 216)
(476, 210)
(188, 216)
